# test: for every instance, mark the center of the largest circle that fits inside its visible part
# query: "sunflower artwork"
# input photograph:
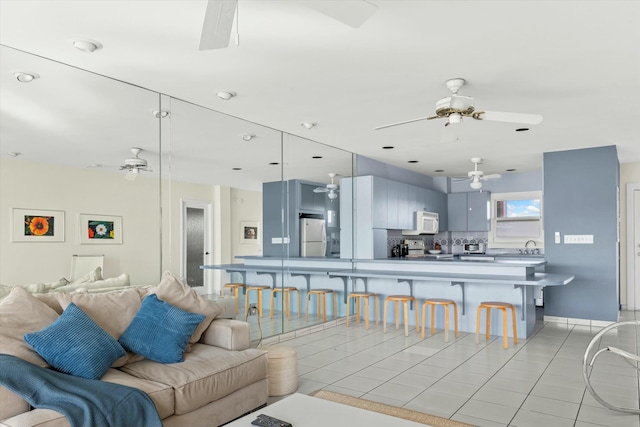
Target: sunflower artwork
(39, 225)
(101, 230)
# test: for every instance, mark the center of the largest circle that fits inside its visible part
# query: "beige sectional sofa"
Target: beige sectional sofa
(220, 378)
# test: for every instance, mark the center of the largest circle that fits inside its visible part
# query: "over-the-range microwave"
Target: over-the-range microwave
(425, 223)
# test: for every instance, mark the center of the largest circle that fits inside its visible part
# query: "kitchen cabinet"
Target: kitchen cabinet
(468, 211)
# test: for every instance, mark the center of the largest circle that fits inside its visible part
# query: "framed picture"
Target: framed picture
(100, 229)
(35, 225)
(249, 232)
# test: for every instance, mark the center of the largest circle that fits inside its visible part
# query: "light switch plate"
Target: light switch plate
(557, 236)
(578, 239)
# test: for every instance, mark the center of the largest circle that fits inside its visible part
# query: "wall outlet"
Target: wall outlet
(253, 309)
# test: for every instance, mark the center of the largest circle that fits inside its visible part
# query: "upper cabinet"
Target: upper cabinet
(468, 211)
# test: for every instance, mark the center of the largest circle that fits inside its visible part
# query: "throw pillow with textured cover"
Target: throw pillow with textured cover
(76, 345)
(160, 331)
(22, 313)
(182, 296)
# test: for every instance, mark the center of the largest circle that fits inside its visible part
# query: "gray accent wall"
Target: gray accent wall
(581, 197)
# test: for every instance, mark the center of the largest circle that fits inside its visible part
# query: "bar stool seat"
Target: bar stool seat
(358, 296)
(235, 287)
(502, 306)
(286, 290)
(404, 299)
(258, 289)
(322, 299)
(433, 302)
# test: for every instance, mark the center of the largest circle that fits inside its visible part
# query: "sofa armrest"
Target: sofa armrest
(228, 334)
(11, 404)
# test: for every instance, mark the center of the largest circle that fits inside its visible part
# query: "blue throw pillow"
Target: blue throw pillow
(76, 345)
(160, 331)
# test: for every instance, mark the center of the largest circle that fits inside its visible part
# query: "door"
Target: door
(196, 244)
(634, 257)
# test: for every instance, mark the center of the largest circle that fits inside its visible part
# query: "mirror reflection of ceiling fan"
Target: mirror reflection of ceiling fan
(219, 16)
(135, 165)
(477, 176)
(455, 107)
(332, 189)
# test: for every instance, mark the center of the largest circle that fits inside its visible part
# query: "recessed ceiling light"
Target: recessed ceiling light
(388, 147)
(88, 46)
(316, 157)
(14, 153)
(226, 94)
(247, 136)
(439, 170)
(308, 125)
(160, 114)
(236, 169)
(412, 161)
(26, 77)
(274, 163)
(511, 170)
(522, 129)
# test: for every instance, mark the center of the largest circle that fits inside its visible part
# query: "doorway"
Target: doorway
(633, 246)
(196, 248)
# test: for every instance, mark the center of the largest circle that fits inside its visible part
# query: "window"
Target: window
(516, 218)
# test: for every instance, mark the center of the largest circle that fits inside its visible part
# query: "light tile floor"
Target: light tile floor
(538, 382)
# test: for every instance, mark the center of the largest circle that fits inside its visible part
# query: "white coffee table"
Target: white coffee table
(305, 411)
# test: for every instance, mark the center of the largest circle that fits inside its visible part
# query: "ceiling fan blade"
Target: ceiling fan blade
(218, 21)
(351, 13)
(528, 119)
(491, 176)
(320, 190)
(405, 122)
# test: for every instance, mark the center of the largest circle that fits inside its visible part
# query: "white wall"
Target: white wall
(629, 173)
(25, 184)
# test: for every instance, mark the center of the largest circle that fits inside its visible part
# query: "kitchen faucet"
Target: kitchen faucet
(526, 247)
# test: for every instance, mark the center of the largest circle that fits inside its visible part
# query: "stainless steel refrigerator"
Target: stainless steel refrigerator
(313, 237)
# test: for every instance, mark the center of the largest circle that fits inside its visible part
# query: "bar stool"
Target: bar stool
(358, 297)
(502, 306)
(433, 302)
(258, 289)
(405, 299)
(234, 291)
(286, 290)
(322, 293)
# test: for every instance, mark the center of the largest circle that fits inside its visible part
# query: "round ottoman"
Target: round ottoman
(283, 370)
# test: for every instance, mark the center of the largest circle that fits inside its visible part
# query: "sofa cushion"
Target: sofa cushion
(92, 276)
(207, 374)
(182, 296)
(22, 313)
(76, 345)
(161, 394)
(160, 331)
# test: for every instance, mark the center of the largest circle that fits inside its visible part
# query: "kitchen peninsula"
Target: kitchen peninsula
(468, 282)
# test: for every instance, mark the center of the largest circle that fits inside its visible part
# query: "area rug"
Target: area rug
(407, 414)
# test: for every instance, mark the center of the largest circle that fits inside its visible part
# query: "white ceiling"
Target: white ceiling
(575, 62)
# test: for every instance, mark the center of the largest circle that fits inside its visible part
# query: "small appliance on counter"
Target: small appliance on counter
(474, 248)
(415, 248)
(399, 251)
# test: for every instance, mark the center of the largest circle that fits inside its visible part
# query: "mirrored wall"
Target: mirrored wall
(184, 185)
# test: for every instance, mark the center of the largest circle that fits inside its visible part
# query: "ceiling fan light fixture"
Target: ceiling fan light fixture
(476, 184)
(455, 118)
(226, 94)
(332, 195)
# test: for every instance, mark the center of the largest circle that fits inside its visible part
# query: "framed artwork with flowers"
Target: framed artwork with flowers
(100, 229)
(36, 225)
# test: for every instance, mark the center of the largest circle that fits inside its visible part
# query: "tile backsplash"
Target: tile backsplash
(451, 242)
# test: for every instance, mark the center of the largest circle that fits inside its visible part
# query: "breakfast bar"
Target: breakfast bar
(467, 282)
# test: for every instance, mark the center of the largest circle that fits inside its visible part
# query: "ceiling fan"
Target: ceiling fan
(332, 189)
(477, 176)
(135, 165)
(219, 16)
(455, 107)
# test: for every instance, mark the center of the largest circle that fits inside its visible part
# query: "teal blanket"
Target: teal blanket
(85, 403)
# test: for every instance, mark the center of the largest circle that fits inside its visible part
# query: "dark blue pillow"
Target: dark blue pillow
(160, 331)
(76, 345)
